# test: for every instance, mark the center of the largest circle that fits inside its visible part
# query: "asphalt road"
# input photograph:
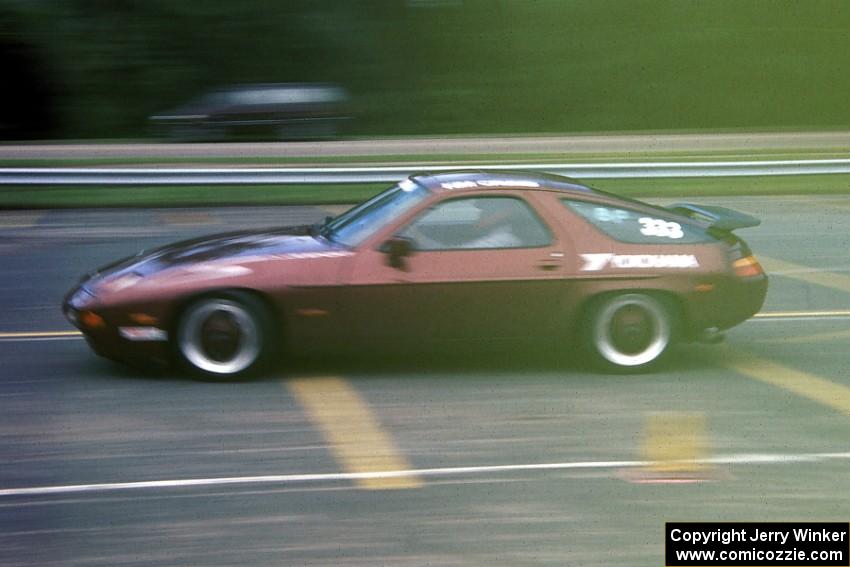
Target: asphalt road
(101, 465)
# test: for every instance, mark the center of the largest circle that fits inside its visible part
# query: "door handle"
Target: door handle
(548, 265)
(552, 263)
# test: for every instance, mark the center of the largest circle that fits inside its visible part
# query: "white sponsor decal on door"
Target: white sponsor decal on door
(596, 262)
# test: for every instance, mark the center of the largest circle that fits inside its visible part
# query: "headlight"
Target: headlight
(80, 297)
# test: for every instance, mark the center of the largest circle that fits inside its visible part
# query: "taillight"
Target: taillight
(747, 267)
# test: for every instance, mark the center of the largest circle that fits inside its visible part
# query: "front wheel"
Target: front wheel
(224, 337)
(629, 332)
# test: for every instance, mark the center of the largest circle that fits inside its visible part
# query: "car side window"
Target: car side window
(478, 223)
(636, 227)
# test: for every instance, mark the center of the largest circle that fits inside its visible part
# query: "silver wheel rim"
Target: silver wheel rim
(201, 351)
(605, 335)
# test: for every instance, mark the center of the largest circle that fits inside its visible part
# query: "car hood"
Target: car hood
(289, 242)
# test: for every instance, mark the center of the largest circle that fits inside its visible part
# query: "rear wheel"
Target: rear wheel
(630, 332)
(224, 337)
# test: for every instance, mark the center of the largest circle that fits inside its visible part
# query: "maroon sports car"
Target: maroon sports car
(483, 256)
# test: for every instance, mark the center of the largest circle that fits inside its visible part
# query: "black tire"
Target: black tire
(629, 332)
(224, 337)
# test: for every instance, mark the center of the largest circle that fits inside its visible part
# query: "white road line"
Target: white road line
(748, 459)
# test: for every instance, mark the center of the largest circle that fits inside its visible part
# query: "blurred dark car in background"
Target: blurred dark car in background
(286, 111)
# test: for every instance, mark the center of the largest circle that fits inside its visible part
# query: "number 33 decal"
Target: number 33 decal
(659, 227)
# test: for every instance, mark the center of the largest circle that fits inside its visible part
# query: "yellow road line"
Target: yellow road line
(842, 204)
(792, 314)
(20, 220)
(184, 218)
(798, 382)
(806, 274)
(334, 210)
(358, 442)
(39, 335)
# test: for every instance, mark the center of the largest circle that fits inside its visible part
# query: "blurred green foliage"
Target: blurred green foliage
(451, 66)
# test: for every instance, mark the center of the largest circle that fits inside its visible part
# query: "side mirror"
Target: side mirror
(397, 250)
(316, 229)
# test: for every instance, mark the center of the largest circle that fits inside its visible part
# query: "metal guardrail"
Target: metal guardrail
(325, 175)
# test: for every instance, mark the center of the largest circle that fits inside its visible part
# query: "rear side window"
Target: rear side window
(636, 227)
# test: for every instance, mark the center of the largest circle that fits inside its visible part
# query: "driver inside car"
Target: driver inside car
(496, 226)
(493, 225)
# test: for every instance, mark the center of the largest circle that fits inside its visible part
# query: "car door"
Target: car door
(462, 280)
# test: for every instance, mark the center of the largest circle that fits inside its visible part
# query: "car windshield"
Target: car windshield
(354, 226)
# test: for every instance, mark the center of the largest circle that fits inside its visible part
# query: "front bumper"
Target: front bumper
(113, 337)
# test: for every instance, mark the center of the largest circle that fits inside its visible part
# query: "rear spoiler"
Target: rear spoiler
(719, 218)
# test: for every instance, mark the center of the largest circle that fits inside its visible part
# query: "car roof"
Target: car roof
(471, 180)
(483, 179)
